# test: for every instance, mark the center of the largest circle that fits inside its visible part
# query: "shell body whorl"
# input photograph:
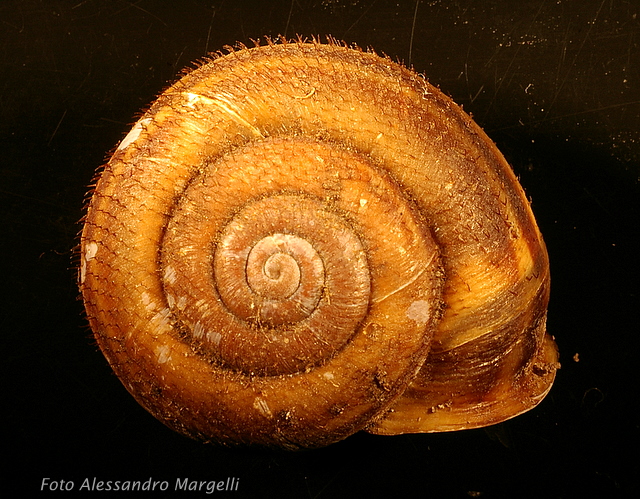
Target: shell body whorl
(298, 241)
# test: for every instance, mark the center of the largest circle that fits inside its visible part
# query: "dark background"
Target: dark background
(555, 83)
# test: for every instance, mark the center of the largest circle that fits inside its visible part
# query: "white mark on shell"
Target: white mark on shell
(134, 133)
(163, 321)
(214, 337)
(419, 311)
(224, 103)
(193, 99)
(91, 251)
(163, 353)
(89, 254)
(198, 330)
(148, 303)
(170, 275)
(262, 406)
(171, 301)
(181, 302)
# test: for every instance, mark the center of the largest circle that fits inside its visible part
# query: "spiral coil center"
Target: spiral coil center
(280, 276)
(284, 276)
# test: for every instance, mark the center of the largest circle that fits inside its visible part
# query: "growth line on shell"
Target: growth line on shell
(224, 105)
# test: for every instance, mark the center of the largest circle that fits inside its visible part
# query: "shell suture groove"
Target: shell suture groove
(299, 241)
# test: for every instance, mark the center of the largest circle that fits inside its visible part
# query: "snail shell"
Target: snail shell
(299, 241)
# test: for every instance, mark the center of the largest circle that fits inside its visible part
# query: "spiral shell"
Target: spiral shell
(298, 241)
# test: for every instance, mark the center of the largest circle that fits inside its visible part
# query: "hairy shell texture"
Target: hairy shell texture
(299, 241)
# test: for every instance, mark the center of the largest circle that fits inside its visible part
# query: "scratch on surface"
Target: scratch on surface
(575, 58)
(57, 126)
(286, 28)
(413, 31)
(206, 44)
(400, 288)
(359, 18)
(136, 6)
(568, 115)
(511, 62)
(406, 284)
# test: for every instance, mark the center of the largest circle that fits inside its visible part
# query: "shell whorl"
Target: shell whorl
(275, 280)
(278, 243)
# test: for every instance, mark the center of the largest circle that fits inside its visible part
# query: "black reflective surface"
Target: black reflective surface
(555, 83)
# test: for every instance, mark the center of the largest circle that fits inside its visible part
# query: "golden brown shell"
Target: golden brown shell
(299, 241)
